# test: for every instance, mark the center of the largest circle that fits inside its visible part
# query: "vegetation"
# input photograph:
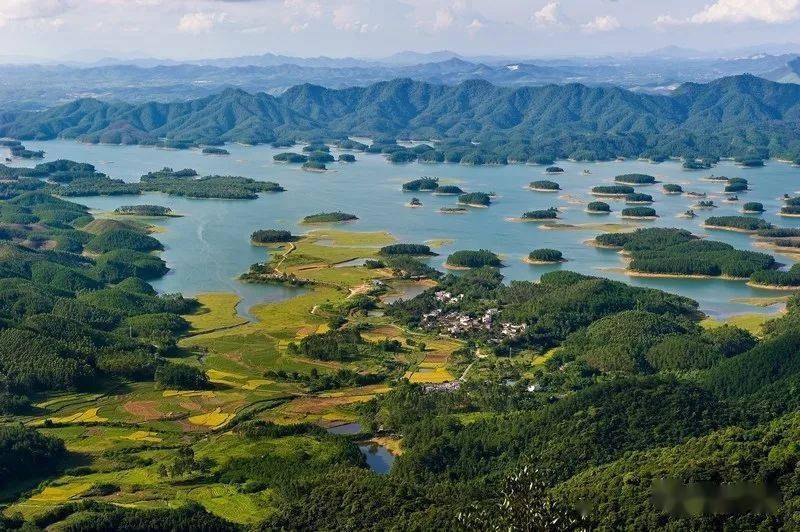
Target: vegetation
(213, 150)
(542, 214)
(753, 206)
(473, 259)
(638, 198)
(143, 210)
(554, 170)
(671, 188)
(598, 206)
(545, 255)
(742, 223)
(422, 184)
(324, 217)
(612, 190)
(448, 189)
(269, 236)
(635, 179)
(406, 249)
(289, 157)
(544, 185)
(639, 212)
(475, 198)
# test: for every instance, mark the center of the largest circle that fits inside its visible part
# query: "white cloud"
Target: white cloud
(475, 25)
(667, 20)
(444, 19)
(549, 15)
(601, 24)
(23, 10)
(199, 22)
(771, 11)
(349, 17)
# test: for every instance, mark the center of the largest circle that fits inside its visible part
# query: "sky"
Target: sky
(193, 29)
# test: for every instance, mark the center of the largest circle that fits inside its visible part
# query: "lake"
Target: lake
(209, 246)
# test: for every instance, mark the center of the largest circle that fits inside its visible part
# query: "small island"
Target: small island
(554, 170)
(144, 210)
(448, 190)
(736, 184)
(416, 250)
(423, 184)
(347, 158)
(635, 179)
(688, 214)
(544, 256)
(612, 191)
(329, 217)
(672, 189)
(414, 203)
(639, 213)
(750, 162)
(790, 211)
(544, 186)
(453, 210)
(290, 157)
(598, 207)
(213, 150)
(742, 224)
(475, 199)
(314, 166)
(733, 198)
(704, 204)
(771, 279)
(638, 198)
(538, 215)
(715, 178)
(468, 259)
(271, 236)
(752, 207)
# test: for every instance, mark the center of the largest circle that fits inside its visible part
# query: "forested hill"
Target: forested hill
(727, 117)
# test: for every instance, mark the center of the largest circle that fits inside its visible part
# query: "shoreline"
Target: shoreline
(608, 195)
(639, 217)
(477, 206)
(526, 260)
(590, 211)
(635, 273)
(527, 220)
(788, 215)
(773, 287)
(536, 189)
(723, 228)
(465, 268)
(595, 244)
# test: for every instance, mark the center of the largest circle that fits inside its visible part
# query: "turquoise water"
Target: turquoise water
(208, 247)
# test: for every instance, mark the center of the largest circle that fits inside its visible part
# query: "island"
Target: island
(704, 204)
(550, 213)
(144, 210)
(314, 166)
(271, 236)
(544, 186)
(475, 199)
(414, 203)
(736, 184)
(544, 256)
(790, 211)
(554, 170)
(328, 217)
(453, 210)
(407, 249)
(598, 207)
(290, 157)
(742, 224)
(347, 158)
(612, 191)
(752, 207)
(468, 259)
(635, 179)
(448, 190)
(639, 213)
(423, 184)
(672, 189)
(212, 150)
(771, 279)
(637, 198)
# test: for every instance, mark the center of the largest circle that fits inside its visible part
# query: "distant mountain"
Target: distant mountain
(724, 117)
(416, 58)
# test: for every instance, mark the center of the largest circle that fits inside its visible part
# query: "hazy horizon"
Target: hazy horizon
(88, 30)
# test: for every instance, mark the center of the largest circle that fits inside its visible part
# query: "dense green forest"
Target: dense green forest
(742, 116)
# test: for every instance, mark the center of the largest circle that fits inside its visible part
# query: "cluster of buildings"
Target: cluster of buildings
(459, 323)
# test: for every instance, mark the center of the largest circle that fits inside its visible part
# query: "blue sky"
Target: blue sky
(63, 29)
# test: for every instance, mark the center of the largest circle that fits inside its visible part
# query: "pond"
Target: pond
(379, 459)
(209, 246)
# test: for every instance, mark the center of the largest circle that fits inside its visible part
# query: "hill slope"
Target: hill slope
(724, 117)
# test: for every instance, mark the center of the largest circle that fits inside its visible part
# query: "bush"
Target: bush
(448, 189)
(639, 198)
(672, 188)
(143, 210)
(25, 453)
(422, 184)
(753, 206)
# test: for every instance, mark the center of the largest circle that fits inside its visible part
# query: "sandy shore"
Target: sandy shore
(722, 228)
(544, 189)
(639, 217)
(773, 287)
(526, 260)
(526, 220)
(634, 273)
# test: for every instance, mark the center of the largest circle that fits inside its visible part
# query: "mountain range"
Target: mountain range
(723, 117)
